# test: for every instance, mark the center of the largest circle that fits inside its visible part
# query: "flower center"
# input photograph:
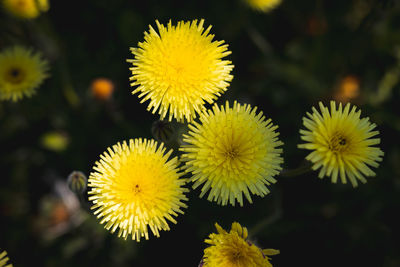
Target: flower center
(15, 75)
(338, 143)
(136, 189)
(237, 256)
(231, 153)
(21, 4)
(181, 68)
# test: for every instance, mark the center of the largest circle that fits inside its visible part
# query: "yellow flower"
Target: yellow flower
(263, 5)
(55, 141)
(4, 259)
(134, 186)
(341, 143)
(26, 9)
(233, 151)
(233, 249)
(179, 69)
(21, 72)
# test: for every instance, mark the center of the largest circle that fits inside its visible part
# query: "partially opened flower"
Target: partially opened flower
(179, 69)
(21, 72)
(263, 5)
(135, 186)
(233, 150)
(234, 249)
(4, 259)
(25, 9)
(342, 143)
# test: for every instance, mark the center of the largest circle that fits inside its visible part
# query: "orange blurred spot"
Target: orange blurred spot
(102, 88)
(349, 88)
(59, 213)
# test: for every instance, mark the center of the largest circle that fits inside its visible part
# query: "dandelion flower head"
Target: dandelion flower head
(342, 143)
(26, 9)
(21, 72)
(179, 69)
(263, 5)
(234, 249)
(4, 259)
(135, 186)
(233, 150)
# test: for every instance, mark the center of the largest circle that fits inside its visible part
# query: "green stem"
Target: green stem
(303, 168)
(275, 216)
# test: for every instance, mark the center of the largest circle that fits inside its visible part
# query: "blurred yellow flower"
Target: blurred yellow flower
(134, 186)
(232, 151)
(4, 259)
(263, 5)
(21, 72)
(55, 141)
(180, 69)
(341, 143)
(234, 249)
(26, 9)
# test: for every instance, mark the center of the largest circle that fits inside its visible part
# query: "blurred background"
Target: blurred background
(286, 60)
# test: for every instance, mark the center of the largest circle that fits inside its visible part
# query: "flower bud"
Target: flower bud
(77, 182)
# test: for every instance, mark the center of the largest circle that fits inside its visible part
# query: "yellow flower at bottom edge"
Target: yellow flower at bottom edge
(25, 9)
(179, 69)
(341, 143)
(21, 72)
(232, 151)
(263, 5)
(4, 259)
(233, 249)
(134, 186)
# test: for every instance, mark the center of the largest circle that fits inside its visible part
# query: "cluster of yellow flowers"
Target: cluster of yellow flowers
(232, 149)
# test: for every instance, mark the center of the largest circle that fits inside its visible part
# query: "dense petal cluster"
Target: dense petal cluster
(234, 249)
(25, 9)
(179, 69)
(342, 143)
(4, 259)
(135, 186)
(263, 5)
(233, 150)
(21, 72)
